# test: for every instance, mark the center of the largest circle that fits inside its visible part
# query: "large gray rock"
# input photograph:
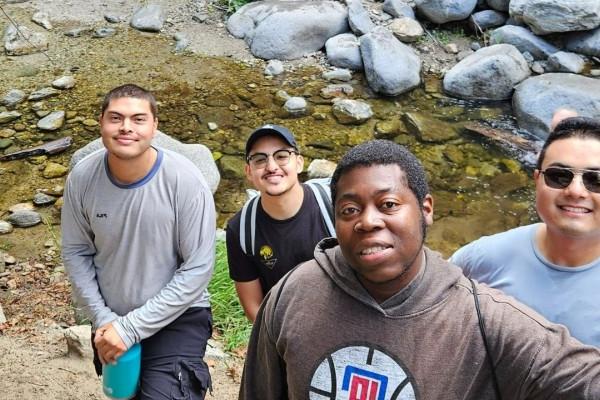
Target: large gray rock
(500, 5)
(24, 218)
(23, 41)
(548, 16)
(287, 30)
(52, 121)
(587, 43)
(199, 154)
(524, 40)
(358, 18)
(536, 99)
(148, 18)
(563, 61)
(486, 19)
(344, 51)
(442, 11)
(391, 67)
(398, 9)
(488, 74)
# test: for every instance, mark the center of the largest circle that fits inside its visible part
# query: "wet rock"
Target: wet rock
(358, 18)
(77, 32)
(90, 123)
(486, 19)
(114, 17)
(43, 94)
(42, 19)
(78, 341)
(442, 11)
(5, 227)
(500, 5)
(273, 68)
(338, 74)
(488, 74)
(199, 154)
(524, 40)
(7, 133)
(336, 90)
(320, 169)
(232, 167)
(391, 67)
(536, 99)
(344, 51)
(287, 30)
(387, 129)
(181, 42)
(507, 182)
(41, 199)
(24, 219)
(54, 170)
(296, 106)
(23, 41)
(351, 112)
(8, 116)
(64, 82)
(544, 16)
(148, 18)
(563, 61)
(52, 121)
(104, 32)
(13, 97)
(406, 29)
(398, 9)
(281, 96)
(5, 143)
(429, 129)
(587, 43)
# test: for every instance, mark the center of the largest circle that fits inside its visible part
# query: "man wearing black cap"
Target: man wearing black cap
(278, 229)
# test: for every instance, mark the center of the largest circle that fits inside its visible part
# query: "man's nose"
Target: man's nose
(126, 125)
(369, 220)
(576, 188)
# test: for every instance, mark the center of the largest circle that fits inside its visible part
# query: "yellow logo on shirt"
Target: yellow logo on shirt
(266, 252)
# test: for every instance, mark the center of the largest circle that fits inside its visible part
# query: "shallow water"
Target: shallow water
(478, 186)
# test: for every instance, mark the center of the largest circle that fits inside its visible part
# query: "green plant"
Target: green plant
(228, 316)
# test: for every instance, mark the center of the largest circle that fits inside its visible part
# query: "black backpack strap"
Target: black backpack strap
(485, 341)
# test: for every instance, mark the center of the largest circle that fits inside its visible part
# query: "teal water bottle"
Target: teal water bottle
(120, 381)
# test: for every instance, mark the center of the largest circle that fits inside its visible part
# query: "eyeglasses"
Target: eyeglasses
(560, 178)
(281, 157)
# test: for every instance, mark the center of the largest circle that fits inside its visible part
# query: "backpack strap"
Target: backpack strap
(248, 225)
(485, 341)
(320, 188)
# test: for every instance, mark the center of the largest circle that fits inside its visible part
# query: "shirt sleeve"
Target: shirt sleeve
(196, 227)
(468, 260)
(241, 267)
(78, 251)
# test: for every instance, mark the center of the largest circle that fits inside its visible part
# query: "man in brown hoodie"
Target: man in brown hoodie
(379, 316)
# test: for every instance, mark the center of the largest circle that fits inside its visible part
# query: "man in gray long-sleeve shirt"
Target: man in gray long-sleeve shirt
(138, 226)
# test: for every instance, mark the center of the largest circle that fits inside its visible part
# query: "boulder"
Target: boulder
(148, 18)
(563, 61)
(344, 51)
(486, 19)
(500, 5)
(536, 99)
(524, 40)
(358, 18)
(587, 43)
(406, 29)
(199, 154)
(488, 74)
(548, 16)
(398, 9)
(351, 112)
(287, 30)
(23, 41)
(442, 11)
(391, 67)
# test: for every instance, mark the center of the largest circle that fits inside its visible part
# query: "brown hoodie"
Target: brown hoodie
(320, 335)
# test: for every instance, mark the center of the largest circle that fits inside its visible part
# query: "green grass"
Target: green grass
(228, 316)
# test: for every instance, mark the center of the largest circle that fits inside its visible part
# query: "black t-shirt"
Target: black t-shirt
(280, 244)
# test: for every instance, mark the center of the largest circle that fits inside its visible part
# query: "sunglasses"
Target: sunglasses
(560, 178)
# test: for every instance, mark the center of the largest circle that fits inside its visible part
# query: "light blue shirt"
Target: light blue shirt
(511, 261)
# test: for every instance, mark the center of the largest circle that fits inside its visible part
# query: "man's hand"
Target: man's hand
(109, 344)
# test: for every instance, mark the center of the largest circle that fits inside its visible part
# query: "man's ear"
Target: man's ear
(155, 126)
(299, 164)
(247, 172)
(427, 209)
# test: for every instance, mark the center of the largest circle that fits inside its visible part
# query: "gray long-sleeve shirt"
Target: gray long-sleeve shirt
(138, 255)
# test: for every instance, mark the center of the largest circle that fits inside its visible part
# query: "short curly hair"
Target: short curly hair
(574, 127)
(383, 152)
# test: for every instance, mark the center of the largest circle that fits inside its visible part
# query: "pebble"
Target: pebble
(295, 105)
(55, 191)
(9, 260)
(8, 116)
(54, 170)
(338, 74)
(103, 32)
(13, 97)
(77, 32)
(90, 122)
(52, 121)
(42, 199)
(24, 219)
(5, 227)
(336, 90)
(212, 126)
(595, 72)
(273, 68)
(451, 48)
(43, 94)
(7, 133)
(64, 82)
(42, 19)
(113, 18)
(5, 143)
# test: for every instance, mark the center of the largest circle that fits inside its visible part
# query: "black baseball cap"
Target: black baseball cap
(271, 130)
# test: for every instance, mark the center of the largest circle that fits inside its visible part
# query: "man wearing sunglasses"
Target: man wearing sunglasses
(553, 266)
(283, 224)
